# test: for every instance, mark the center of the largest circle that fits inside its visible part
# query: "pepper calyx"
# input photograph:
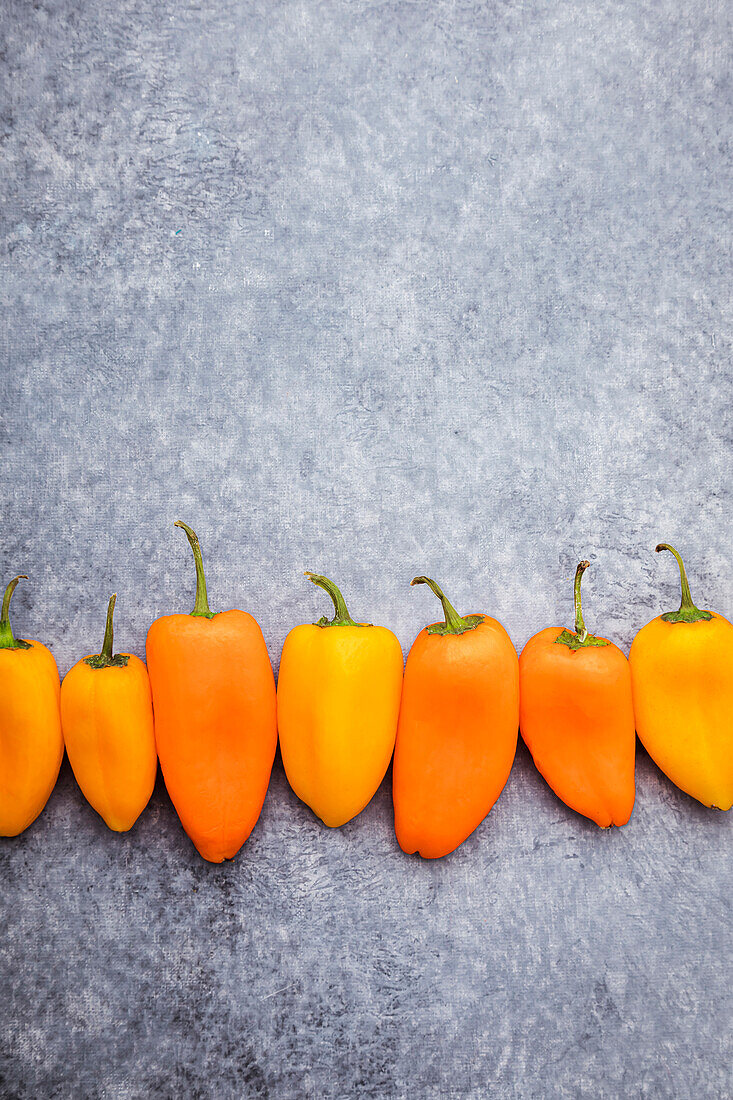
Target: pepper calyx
(574, 642)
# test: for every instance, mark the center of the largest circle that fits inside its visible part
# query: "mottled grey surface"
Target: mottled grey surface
(374, 289)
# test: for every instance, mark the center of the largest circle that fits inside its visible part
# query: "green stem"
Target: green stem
(105, 659)
(7, 639)
(454, 623)
(341, 612)
(109, 628)
(201, 605)
(581, 639)
(687, 612)
(580, 628)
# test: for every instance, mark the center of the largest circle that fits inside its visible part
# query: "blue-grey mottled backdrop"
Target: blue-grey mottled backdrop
(374, 288)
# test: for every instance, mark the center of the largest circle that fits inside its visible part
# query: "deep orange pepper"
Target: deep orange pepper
(31, 744)
(577, 718)
(215, 718)
(107, 719)
(457, 733)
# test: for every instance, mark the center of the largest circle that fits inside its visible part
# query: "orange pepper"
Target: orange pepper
(107, 719)
(682, 676)
(457, 733)
(31, 744)
(577, 718)
(215, 720)
(338, 698)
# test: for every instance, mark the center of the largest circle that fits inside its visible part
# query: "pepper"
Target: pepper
(107, 721)
(338, 699)
(682, 677)
(457, 733)
(31, 744)
(577, 718)
(215, 722)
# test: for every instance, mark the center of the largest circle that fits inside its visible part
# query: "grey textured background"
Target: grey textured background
(374, 289)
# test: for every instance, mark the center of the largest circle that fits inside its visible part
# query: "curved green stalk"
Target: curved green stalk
(105, 659)
(201, 607)
(341, 612)
(581, 639)
(687, 612)
(454, 623)
(7, 639)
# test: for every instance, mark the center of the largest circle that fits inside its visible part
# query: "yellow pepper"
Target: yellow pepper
(338, 701)
(682, 682)
(107, 719)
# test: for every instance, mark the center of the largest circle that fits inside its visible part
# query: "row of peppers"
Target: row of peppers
(207, 707)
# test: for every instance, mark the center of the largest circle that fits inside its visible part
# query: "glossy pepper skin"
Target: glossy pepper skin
(457, 733)
(338, 698)
(31, 744)
(577, 718)
(215, 722)
(107, 721)
(682, 676)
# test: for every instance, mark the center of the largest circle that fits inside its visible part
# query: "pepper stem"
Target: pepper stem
(454, 623)
(109, 629)
(201, 605)
(687, 612)
(341, 612)
(580, 628)
(581, 639)
(7, 639)
(105, 658)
